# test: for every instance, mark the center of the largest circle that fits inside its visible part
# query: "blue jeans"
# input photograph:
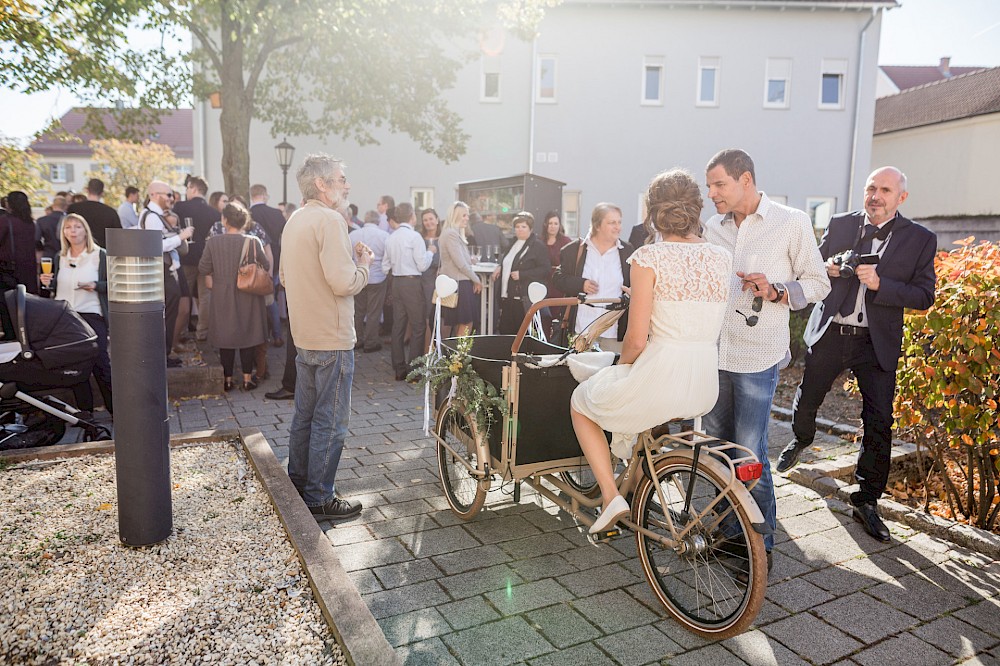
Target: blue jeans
(319, 425)
(742, 415)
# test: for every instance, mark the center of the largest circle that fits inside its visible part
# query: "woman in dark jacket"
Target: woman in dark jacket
(526, 261)
(573, 275)
(18, 264)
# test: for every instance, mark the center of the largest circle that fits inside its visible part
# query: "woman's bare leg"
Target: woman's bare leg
(595, 449)
(462, 329)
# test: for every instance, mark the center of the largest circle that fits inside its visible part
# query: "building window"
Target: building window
(652, 81)
(571, 214)
(820, 211)
(489, 87)
(777, 83)
(59, 173)
(831, 89)
(708, 82)
(422, 197)
(546, 91)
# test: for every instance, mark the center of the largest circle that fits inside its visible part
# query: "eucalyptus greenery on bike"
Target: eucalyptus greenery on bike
(454, 372)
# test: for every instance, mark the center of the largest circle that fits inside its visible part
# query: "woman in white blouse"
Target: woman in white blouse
(527, 261)
(80, 277)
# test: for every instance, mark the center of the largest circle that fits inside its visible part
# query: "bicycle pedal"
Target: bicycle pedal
(604, 537)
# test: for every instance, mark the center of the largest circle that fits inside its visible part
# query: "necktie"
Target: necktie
(865, 247)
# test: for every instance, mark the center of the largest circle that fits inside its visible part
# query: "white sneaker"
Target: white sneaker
(617, 509)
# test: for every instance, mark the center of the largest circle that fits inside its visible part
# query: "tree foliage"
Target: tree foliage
(317, 67)
(949, 378)
(122, 163)
(22, 170)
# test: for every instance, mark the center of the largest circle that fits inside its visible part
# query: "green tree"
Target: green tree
(123, 163)
(22, 170)
(343, 67)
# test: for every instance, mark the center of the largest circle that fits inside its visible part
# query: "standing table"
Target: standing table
(487, 314)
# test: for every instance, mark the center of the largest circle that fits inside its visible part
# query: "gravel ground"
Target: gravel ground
(225, 588)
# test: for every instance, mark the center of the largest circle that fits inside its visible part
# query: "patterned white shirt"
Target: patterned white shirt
(606, 270)
(779, 242)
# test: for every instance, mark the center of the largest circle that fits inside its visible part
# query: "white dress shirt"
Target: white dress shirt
(859, 317)
(406, 253)
(508, 262)
(606, 270)
(779, 242)
(154, 220)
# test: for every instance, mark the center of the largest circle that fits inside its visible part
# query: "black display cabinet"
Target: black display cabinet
(499, 199)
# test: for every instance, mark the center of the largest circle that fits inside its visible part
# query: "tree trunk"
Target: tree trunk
(237, 110)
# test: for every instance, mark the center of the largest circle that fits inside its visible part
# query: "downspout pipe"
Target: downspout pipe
(531, 104)
(862, 40)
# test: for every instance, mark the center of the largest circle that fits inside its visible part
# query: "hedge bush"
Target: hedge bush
(949, 381)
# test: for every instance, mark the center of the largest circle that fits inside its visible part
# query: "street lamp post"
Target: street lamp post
(284, 151)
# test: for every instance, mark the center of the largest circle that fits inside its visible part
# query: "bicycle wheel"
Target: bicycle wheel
(464, 492)
(581, 479)
(713, 585)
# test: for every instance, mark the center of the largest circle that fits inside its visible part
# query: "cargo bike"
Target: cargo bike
(698, 530)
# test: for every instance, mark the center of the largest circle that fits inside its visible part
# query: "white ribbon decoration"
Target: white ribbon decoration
(445, 287)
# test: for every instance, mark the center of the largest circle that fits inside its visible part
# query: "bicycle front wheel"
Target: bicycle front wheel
(465, 493)
(712, 584)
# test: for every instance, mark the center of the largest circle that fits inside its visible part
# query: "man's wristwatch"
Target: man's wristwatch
(780, 290)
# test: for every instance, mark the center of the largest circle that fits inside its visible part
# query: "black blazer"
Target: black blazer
(202, 217)
(273, 223)
(568, 276)
(532, 264)
(906, 275)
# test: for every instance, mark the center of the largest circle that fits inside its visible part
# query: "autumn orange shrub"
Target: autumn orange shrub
(949, 381)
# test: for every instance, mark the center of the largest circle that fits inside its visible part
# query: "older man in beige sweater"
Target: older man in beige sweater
(321, 273)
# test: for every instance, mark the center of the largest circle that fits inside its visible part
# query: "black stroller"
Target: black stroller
(45, 347)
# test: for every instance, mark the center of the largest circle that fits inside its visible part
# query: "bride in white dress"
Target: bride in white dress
(669, 362)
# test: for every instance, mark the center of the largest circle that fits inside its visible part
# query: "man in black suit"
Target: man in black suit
(273, 223)
(202, 217)
(99, 215)
(860, 326)
(47, 228)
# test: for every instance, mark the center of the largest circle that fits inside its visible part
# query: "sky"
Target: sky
(920, 32)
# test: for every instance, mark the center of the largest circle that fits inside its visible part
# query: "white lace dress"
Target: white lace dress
(676, 375)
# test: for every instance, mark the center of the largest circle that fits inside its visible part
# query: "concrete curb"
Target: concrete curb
(355, 629)
(827, 477)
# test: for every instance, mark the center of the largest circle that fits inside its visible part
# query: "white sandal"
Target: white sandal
(617, 509)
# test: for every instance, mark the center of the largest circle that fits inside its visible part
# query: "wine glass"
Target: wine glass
(476, 253)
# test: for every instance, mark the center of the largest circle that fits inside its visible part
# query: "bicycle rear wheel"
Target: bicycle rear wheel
(465, 493)
(711, 584)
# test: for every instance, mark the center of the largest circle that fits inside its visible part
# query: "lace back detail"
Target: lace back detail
(687, 271)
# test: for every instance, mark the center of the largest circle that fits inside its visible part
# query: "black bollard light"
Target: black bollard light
(139, 371)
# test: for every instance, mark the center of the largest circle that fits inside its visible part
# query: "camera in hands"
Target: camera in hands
(849, 260)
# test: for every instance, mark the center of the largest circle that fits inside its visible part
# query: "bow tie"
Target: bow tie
(871, 231)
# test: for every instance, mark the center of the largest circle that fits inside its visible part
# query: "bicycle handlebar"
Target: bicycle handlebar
(579, 299)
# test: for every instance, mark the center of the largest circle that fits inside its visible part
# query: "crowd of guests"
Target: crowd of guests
(62, 255)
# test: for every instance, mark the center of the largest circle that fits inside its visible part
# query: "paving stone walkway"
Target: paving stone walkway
(520, 584)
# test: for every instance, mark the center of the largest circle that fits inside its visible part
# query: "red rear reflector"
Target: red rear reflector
(749, 471)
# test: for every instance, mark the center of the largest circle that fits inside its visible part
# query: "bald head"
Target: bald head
(884, 192)
(160, 193)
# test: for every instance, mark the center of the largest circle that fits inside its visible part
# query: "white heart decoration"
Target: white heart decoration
(445, 286)
(537, 291)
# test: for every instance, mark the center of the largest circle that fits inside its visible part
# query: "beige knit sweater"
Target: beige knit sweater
(320, 278)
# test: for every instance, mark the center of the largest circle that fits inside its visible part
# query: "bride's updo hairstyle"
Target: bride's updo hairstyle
(673, 204)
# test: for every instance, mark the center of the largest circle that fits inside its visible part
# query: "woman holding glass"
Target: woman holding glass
(80, 277)
(456, 263)
(525, 262)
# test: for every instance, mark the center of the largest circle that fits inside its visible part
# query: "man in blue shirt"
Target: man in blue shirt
(407, 256)
(368, 303)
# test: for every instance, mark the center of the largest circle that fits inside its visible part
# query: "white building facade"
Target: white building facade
(611, 93)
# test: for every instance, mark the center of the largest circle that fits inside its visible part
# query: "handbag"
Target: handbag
(447, 301)
(252, 278)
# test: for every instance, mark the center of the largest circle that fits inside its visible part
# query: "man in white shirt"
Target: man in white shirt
(126, 212)
(407, 256)
(778, 268)
(368, 303)
(160, 196)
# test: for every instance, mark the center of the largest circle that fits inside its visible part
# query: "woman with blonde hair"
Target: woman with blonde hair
(80, 277)
(456, 263)
(680, 288)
